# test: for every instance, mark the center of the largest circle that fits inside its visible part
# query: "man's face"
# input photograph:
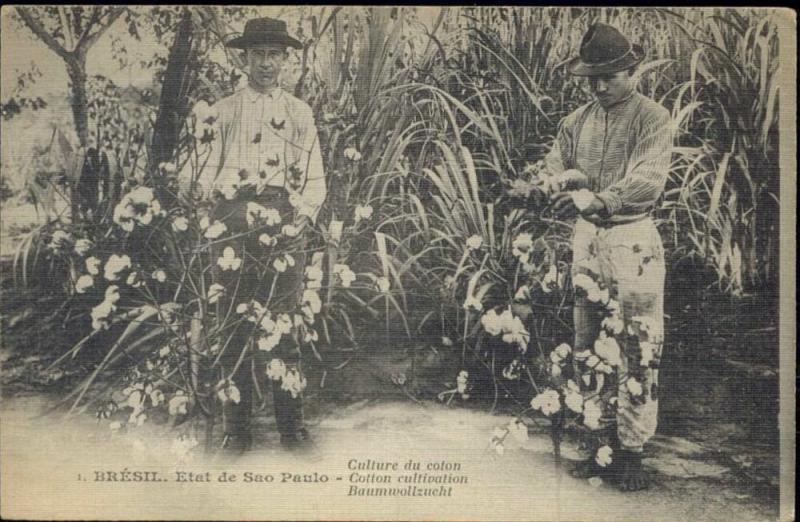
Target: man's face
(264, 64)
(611, 88)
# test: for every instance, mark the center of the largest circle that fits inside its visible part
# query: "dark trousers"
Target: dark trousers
(256, 279)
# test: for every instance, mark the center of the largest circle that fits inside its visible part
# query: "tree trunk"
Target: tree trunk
(76, 69)
(174, 103)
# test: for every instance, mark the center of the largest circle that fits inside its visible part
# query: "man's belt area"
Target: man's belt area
(615, 220)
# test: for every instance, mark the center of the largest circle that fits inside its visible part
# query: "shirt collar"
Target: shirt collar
(619, 103)
(253, 96)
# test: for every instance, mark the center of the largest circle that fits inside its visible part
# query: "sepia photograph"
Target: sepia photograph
(397, 263)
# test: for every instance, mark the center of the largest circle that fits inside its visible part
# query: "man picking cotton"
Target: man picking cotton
(621, 142)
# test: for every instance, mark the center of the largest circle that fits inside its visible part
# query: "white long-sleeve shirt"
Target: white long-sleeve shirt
(261, 140)
(624, 150)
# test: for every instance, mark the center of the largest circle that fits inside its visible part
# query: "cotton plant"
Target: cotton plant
(146, 280)
(574, 389)
(579, 391)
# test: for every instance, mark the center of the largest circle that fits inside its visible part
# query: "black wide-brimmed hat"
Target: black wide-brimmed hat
(604, 50)
(260, 31)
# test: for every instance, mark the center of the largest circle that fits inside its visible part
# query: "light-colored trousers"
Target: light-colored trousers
(629, 260)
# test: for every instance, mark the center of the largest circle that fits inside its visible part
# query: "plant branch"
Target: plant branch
(39, 30)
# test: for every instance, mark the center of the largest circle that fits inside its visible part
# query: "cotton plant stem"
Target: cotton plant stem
(464, 340)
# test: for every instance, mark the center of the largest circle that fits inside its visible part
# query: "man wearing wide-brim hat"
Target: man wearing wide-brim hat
(620, 144)
(264, 175)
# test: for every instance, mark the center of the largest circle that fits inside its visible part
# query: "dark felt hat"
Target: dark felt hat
(604, 50)
(260, 31)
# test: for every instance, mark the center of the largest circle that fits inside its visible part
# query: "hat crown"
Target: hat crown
(265, 25)
(603, 43)
(264, 31)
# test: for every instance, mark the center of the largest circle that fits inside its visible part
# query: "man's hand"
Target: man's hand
(563, 205)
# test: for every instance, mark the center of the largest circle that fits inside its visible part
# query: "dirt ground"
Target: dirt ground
(523, 483)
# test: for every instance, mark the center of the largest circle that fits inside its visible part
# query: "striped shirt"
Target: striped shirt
(624, 150)
(272, 137)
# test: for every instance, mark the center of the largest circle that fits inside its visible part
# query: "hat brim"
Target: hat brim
(577, 67)
(246, 41)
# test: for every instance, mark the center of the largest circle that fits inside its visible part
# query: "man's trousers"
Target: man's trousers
(629, 260)
(279, 292)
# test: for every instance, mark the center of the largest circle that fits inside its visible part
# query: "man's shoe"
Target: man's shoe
(589, 468)
(299, 440)
(234, 445)
(632, 476)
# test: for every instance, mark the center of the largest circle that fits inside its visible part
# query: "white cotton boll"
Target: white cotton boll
(255, 213)
(293, 383)
(283, 324)
(345, 275)
(352, 154)
(472, 303)
(180, 224)
(591, 415)
(115, 265)
(276, 369)
(521, 247)
(168, 167)
(608, 348)
(462, 381)
(310, 336)
(290, 230)
(563, 350)
(93, 265)
(112, 294)
(82, 246)
(178, 404)
(582, 198)
(491, 323)
(229, 261)
(269, 342)
(335, 229)
(548, 402)
(574, 401)
(156, 397)
(383, 285)
(614, 324)
(363, 212)
(83, 283)
(474, 242)
(215, 230)
(603, 457)
(634, 387)
(215, 291)
(523, 293)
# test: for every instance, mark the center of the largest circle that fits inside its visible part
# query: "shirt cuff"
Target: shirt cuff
(612, 202)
